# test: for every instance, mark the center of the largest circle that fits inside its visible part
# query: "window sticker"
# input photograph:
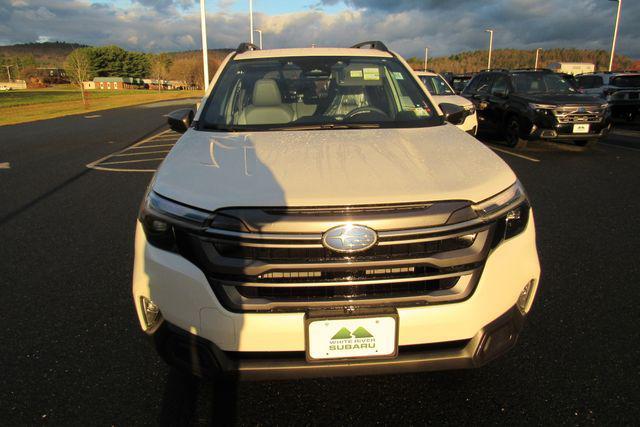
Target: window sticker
(371, 73)
(398, 75)
(355, 73)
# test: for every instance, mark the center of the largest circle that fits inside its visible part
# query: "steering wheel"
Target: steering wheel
(365, 110)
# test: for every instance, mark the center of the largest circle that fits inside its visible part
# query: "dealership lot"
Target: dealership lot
(73, 352)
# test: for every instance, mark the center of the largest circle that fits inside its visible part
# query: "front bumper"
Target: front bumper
(470, 124)
(565, 132)
(203, 358)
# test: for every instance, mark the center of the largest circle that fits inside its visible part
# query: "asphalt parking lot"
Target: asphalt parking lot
(73, 353)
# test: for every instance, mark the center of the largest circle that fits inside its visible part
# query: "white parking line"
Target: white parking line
(93, 116)
(522, 156)
(160, 137)
(141, 153)
(132, 161)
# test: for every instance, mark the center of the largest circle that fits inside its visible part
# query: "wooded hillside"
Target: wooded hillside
(466, 62)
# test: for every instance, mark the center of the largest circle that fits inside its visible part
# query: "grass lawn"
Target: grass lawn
(20, 106)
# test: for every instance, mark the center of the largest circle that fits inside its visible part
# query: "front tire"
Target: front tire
(513, 134)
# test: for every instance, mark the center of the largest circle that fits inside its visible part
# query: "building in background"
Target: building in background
(572, 67)
(117, 83)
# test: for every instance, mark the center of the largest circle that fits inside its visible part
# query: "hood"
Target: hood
(451, 99)
(211, 170)
(560, 98)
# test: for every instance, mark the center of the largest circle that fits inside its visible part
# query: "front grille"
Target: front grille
(287, 268)
(578, 114)
(321, 254)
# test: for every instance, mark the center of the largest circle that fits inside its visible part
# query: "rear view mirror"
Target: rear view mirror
(180, 120)
(453, 113)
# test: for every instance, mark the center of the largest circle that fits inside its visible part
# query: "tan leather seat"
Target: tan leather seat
(266, 107)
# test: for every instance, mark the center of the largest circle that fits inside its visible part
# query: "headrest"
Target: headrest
(266, 93)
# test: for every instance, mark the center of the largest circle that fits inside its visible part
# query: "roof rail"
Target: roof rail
(494, 69)
(374, 44)
(245, 47)
(533, 69)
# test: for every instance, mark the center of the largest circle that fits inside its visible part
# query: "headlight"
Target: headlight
(511, 210)
(470, 109)
(542, 106)
(160, 217)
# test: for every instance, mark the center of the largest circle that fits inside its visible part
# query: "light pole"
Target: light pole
(426, 57)
(490, 47)
(251, 20)
(615, 35)
(205, 50)
(259, 38)
(537, 57)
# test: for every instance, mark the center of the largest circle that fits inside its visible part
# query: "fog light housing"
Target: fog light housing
(150, 312)
(525, 296)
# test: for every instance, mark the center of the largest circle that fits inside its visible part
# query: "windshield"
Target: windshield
(436, 85)
(542, 83)
(317, 92)
(626, 81)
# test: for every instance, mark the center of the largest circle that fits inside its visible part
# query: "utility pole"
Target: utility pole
(615, 35)
(205, 50)
(260, 38)
(490, 47)
(537, 57)
(426, 57)
(251, 20)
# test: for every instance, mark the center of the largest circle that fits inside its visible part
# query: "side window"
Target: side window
(476, 84)
(485, 84)
(499, 86)
(597, 81)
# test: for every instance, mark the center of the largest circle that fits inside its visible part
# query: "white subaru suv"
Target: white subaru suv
(321, 216)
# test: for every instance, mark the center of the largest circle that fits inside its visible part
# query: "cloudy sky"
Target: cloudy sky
(407, 26)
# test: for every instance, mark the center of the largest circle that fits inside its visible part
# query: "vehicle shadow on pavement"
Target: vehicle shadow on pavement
(188, 400)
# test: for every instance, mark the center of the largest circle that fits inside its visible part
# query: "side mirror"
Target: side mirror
(453, 113)
(180, 120)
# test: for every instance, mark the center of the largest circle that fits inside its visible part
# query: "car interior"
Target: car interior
(316, 90)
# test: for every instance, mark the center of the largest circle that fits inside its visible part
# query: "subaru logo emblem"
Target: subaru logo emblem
(582, 110)
(349, 238)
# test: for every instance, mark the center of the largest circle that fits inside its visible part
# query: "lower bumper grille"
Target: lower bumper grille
(341, 293)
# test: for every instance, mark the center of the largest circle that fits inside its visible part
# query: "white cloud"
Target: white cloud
(405, 25)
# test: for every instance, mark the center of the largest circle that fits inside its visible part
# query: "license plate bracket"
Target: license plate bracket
(334, 335)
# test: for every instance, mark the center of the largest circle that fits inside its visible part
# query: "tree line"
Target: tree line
(473, 61)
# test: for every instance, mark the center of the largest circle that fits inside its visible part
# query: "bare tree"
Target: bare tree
(159, 67)
(78, 68)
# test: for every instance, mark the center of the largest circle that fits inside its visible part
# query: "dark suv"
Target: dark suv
(536, 104)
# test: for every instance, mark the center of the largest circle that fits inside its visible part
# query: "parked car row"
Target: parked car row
(621, 91)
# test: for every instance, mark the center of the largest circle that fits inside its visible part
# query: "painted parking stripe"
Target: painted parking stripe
(144, 147)
(522, 156)
(133, 161)
(93, 116)
(147, 154)
(141, 153)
